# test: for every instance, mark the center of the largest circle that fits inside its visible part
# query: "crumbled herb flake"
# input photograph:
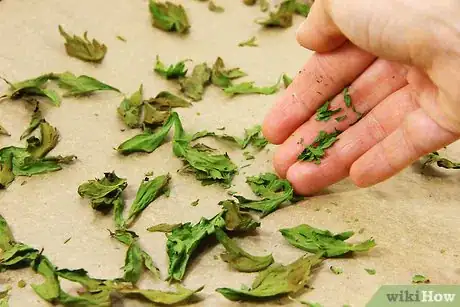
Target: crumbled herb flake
(323, 113)
(317, 150)
(195, 203)
(252, 42)
(341, 118)
(336, 270)
(214, 7)
(245, 88)
(173, 71)
(370, 271)
(420, 279)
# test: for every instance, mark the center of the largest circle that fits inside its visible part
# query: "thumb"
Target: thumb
(318, 32)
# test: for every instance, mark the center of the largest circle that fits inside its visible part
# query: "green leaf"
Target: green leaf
(165, 100)
(286, 80)
(163, 297)
(282, 17)
(121, 38)
(82, 85)
(50, 289)
(276, 281)
(434, 157)
(336, 270)
(302, 8)
(6, 236)
(39, 148)
(163, 227)
(222, 77)
(6, 173)
(370, 271)
(324, 114)
(184, 240)
(169, 16)
(33, 87)
(148, 191)
(420, 279)
(83, 48)
(316, 150)
(316, 241)
(193, 86)
(173, 71)
(252, 42)
(238, 258)
(347, 97)
(104, 193)
(130, 109)
(245, 88)
(214, 7)
(35, 121)
(235, 220)
(264, 5)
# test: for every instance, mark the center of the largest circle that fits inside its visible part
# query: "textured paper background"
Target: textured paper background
(412, 216)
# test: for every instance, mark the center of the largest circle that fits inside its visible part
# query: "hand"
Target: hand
(402, 62)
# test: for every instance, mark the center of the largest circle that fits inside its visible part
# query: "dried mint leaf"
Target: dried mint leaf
(282, 17)
(83, 48)
(420, 279)
(317, 150)
(324, 242)
(286, 80)
(121, 38)
(276, 281)
(347, 97)
(238, 258)
(195, 203)
(434, 157)
(324, 114)
(341, 118)
(81, 85)
(249, 43)
(163, 297)
(6, 172)
(163, 227)
(166, 100)
(214, 7)
(222, 77)
(235, 220)
(336, 270)
(173, 71)
(39, 148)
(370, 271)
(32, 88)
(35, 121)
(130, 109)
(169, 16)
(245, 88)
(193, 86)
(184, 240)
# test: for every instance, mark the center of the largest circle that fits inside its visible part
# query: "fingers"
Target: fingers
(308, 178)
(417, 136)
(322, 77)
(318, 32)
(379, 81)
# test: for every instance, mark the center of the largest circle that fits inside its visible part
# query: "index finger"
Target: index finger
(324, 75)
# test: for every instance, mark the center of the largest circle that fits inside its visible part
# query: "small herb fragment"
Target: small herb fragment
(3, 131)
(248, 156)
(235, 220)
(238, 258)
(370, 271)
(249, 43)
(222, 77)
(214, 7)
(341, 118)
(83, 48)
(245, 88)
(434, 157)
(130, 109)
(324, 113)
(35, 121)
(420, 279)
(21, 284)
(194, 85)
(324, 242)
(121, 38)
(169, 16)
(336, 270)
(173, 71)
(286, 80)
(195, 203)
(4, 296)
(275, 281)
(166, 228)
(347, 97)
(81, 85)
(316, 150)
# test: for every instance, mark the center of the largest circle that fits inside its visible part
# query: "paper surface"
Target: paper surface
(412, 216)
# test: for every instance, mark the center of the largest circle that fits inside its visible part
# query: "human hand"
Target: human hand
(405, 80)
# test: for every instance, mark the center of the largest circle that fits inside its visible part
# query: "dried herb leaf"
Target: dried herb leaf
(223, 77)
(282, 17)
(35, 121)
(195, 203)
(148, 191)
(341, 118)
(235, 220)
(347, 97)
(249, 43)
(166, 100)
(275, 281)
(336, 270)
(169, 16)
(317, 241)
(83, 48)
(121, 38)
(163, 297)
(184, 240)
(420, 279)
(286, 80)
(163, 227)
(324, 114)
(214, 7)
(252, 136)
(245, 88)
(434, 157)
(82, 85)
(130, 109)
(249, 2)
(193, 86)
(317, 150)
(173, 71)
(39, 148)
(238, 258)
(370, 271)
(103, 193)
(31, 88)
(136, 260)
(6, 173)
(3, 131)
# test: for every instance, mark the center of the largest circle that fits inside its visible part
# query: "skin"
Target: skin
(401, 59)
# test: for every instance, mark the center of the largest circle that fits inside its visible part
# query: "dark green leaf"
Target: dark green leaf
(33, 87)
(420, 279)
(316, 150)
(6, 236)
(249, 88)
(249, 2)
(434, 157)
(163, 297)
(324, 113)
(50, 289)
(193, 86)
(249, 43)
(282, 17)
(35, 121)
(166, 228)
(316, 241)
(286, 80)
(235, 220)
(238, 258)
(169, 16)
(195, 203)
(130, 109)
(183, 241)
(173, 71)
(166, 100)
(83, 48)
(347, 97)
(275, 281)
(214, 7)
(82, 85)
(39, 148)
(341, 118)
(222, 77)
(121, 38)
